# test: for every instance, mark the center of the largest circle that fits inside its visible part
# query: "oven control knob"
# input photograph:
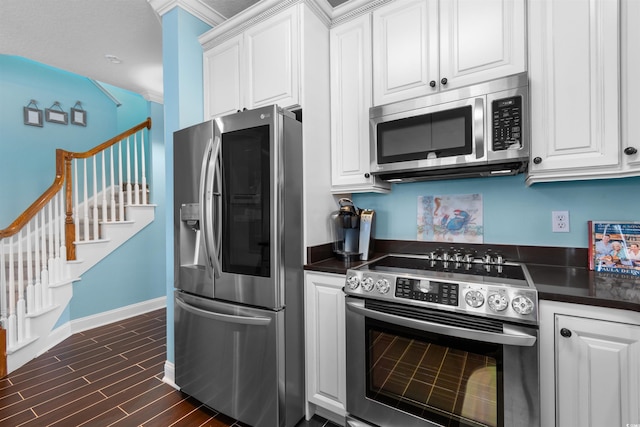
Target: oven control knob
(498, 302)
(353, 282)
(474, 298)
(383, 286)
(522, 305)
(367, 284)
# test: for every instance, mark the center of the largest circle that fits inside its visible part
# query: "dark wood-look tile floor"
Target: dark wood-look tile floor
(107, 376)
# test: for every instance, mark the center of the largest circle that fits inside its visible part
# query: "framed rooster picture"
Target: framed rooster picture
(454, 218)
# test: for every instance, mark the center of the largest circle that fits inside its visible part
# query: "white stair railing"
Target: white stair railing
(34, 259)
(35, 248)
(106, 175)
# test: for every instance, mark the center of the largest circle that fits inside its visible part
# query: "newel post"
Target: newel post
(70, 227)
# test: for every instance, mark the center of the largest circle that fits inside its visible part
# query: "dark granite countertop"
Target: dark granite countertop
(563, 283)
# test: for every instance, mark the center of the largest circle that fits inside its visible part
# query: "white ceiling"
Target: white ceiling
(76, 35)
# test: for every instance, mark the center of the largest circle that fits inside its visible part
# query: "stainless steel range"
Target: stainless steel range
(442, 339)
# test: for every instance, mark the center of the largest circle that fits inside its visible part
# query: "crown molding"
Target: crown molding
(195, 7)
(257, 13)
(353, 9)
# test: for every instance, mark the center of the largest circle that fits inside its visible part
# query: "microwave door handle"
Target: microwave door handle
(478, 125)
(515, 338)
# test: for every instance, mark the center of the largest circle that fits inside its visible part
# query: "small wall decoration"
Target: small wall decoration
(450, 218)
(56, 114)
(78, 115)
(32, 114)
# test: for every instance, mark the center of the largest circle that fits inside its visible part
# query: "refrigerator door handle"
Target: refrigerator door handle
(228, 318)
(207, 193)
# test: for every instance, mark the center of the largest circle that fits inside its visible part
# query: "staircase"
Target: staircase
(99, 200)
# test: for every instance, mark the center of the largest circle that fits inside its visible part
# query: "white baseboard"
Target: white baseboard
(67, 329)
(170, 375)
(116, 315)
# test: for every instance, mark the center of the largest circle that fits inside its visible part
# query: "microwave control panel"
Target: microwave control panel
(507, 123)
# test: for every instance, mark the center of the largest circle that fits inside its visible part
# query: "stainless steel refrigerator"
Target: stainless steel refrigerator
(239, 344)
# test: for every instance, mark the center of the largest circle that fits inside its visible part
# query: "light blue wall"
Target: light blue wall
(183, 99)
(513, 213)
(133, 274)
(28, 152)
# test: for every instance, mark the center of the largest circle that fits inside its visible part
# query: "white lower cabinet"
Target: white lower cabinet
(589, 366)
(325, 345)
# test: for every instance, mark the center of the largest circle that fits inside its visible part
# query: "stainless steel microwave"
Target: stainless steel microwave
(478, 130)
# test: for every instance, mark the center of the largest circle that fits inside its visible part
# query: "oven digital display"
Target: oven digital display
(427, 290)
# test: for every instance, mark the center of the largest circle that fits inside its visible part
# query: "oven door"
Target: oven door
(417, 367)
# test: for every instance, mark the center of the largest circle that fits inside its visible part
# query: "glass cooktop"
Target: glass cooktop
(418, 265)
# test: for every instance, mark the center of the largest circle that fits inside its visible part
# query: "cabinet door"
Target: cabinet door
(272, 58)
(325, 341)
(405, 50)
(481, 40)
(350, 103)
(597, 372)
(574, 84)
(630, 85)
(222, 72)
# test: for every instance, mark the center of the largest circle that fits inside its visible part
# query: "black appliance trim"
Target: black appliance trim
(456, 172)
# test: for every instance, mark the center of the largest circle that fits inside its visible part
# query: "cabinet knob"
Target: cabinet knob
(432, 83)
(565, 332)
(367, 175)
(537, 160)
(630, 151)
(444, 81)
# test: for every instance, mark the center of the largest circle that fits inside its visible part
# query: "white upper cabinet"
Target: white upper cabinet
(259, 67)
(574, 76)
(405, 49)
(481, 40)
(424, 46)
(273, 63)
(222, 88)
(630, 85)
(584, 86)
(350, 103)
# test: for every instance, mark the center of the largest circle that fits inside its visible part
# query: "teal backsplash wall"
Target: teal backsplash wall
(513, 213)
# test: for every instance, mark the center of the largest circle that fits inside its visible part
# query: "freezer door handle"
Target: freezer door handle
(229, 318)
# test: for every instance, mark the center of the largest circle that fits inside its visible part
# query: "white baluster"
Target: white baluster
(21, 308)
(144, 173)
(30, 296)
(86, 203)
(3, 286)
(63, 236)
(129, 201)
(104, 189)
(12, 332)
(51, 245)
(96, 235)
(76, 212)
(37, 288)
(56, 239)
(120, 188)
(44, 275)
(113, 188)
(136, 187)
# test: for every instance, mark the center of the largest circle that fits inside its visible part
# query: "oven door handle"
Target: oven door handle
(515, 338)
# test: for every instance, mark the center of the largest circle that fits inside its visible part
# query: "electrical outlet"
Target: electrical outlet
(560, 221)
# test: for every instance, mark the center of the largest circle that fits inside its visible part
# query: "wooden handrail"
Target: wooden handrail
(41, 202)
(95, 150)
(63, 176)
